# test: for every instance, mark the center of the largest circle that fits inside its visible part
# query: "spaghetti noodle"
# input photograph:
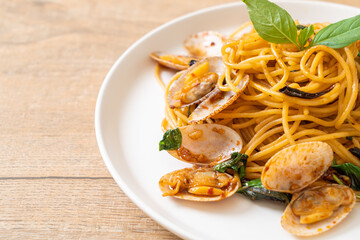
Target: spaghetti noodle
(269, 120)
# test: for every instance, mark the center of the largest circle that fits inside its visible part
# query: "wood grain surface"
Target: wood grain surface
(54, 56)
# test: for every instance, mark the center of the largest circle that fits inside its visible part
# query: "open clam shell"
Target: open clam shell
(205, 44)
(331, 203)
(200, 184)
(172, 61)
(296, 167)
(217, 101)
(207, 143)
(197, 91)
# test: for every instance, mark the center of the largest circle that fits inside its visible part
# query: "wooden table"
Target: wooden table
(54, 56)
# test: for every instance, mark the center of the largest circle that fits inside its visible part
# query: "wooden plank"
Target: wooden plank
(69, 208)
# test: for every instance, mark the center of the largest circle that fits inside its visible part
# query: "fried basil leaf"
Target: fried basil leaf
(255, 191)
(355, 151)
(352, 171)
(237, 163)
(299, 27)
(293, 92)
(171, 140)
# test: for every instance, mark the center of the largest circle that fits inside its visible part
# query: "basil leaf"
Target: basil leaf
(293, 92)
(299, 27)
(334, 162)
(355, 151)
(339, 34)
(171, 140)
(352, 171)
(255, 191)
(273, 23)
(189, 111)
(243, 159)
(252, 183)
(304, 35)
(337, 180)
(237, 163)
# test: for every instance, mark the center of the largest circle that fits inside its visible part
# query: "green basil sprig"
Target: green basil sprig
(274, 24)
(172, 140)
(339, 34)
(304, 35)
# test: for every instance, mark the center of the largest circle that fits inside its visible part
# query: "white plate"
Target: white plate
(129, 111)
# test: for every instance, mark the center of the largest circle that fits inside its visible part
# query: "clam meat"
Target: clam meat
(201, 184)
(176, 62)
(195, 84)
(318, 209)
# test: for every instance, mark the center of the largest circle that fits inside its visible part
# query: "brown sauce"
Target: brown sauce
(219, 131)
(188, 156)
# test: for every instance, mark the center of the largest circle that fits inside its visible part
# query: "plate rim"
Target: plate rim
(99, 103)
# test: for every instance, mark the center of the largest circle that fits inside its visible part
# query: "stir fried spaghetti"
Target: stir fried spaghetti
(269, 120)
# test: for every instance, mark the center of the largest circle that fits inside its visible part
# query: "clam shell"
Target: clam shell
(207, 143)
(216, 102)
(204, 44)
(216, 65)
(185, 180)
(291, 223)
(296, 167)
(185, 60)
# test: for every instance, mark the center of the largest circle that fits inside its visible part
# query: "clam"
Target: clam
(296, 167)
(318, 209)
(314, 208)
(207, 143)
(201, 184)
(172, 61)
(195, 84)
(217, 101)
(204, 44)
